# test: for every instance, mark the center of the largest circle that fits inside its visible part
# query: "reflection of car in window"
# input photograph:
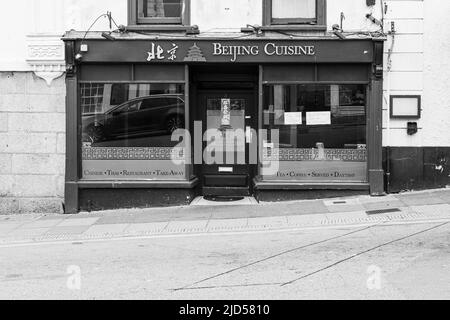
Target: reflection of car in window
(149, 115)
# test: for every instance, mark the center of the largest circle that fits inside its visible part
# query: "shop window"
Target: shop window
(127, 135)
(294, 12)
(159, 11)
(321, 132)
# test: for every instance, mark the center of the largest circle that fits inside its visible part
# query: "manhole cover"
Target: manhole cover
(223, 199)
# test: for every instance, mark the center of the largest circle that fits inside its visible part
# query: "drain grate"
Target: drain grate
(372, 212)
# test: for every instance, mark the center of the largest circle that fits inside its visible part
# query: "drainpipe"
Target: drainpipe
(388, 127)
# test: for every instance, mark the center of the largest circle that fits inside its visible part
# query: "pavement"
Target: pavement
(216, 219)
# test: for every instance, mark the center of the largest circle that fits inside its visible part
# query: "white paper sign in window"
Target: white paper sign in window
(318, 118)
(293, 118)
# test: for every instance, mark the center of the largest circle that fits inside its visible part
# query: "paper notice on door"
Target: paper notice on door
(226, 112)
(293, 118)
(318, 118)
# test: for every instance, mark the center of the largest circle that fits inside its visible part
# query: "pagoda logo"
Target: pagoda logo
(195, 54)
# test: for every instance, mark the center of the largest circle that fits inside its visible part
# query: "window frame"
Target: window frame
(418, 115)
(135, 21)
(295, 23)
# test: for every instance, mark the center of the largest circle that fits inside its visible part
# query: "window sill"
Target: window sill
(294, 28)
(158, 27)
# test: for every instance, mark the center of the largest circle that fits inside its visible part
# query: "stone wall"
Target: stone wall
(32, 144)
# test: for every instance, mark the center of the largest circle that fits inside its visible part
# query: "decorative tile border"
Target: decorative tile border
(116, 153)
(348, 155)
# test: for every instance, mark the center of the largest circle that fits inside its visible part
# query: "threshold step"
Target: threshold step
(239, 201)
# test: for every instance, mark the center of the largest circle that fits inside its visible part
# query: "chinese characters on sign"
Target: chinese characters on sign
(157, 52)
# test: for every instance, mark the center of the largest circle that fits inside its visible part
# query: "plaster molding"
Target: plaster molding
(45, 55)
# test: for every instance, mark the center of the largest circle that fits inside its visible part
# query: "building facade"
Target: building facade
(141, 103)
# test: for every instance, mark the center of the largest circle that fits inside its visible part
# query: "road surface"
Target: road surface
(407, 261)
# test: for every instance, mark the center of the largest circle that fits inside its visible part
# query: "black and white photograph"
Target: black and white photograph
(224, 155)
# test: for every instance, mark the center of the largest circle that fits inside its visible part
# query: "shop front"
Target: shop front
(157, 122)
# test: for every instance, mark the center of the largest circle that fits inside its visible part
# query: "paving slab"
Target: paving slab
(433, 210)
(347, 215)
(443, 194)
(69, 230)
(22, 218)
(27, 233)
(140, 228)
(150, 218)
(268, 222)
(370, 199)
(239, 212)
(53, 217)
(187, 226)
(420, 199)
(345, 208)
(106, 229)
(78, 222)
(383, 205)
(306, 219)
(42, 224)
(301, 207)
(221, 224)
(180, 216)
(116, 219)
(8, 227)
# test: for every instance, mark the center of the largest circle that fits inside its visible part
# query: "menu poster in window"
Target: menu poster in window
(226, 112)
(318, 118)
(293, 118)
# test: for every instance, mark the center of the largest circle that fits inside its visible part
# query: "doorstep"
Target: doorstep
(245, 201)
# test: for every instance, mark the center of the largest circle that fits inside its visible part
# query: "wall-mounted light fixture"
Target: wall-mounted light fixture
(405, 107)
(108, 36)
(252, 29)
(338, 32)
(374, 20)
(193, 30)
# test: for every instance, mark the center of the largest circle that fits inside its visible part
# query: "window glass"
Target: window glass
(131, 139)
(227, 116)
(322, 132)
(159, 8)
(291, 9)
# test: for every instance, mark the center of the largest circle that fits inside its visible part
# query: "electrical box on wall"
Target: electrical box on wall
(370, 2)
(412, 128)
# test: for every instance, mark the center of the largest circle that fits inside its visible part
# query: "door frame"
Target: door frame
(251, 110)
